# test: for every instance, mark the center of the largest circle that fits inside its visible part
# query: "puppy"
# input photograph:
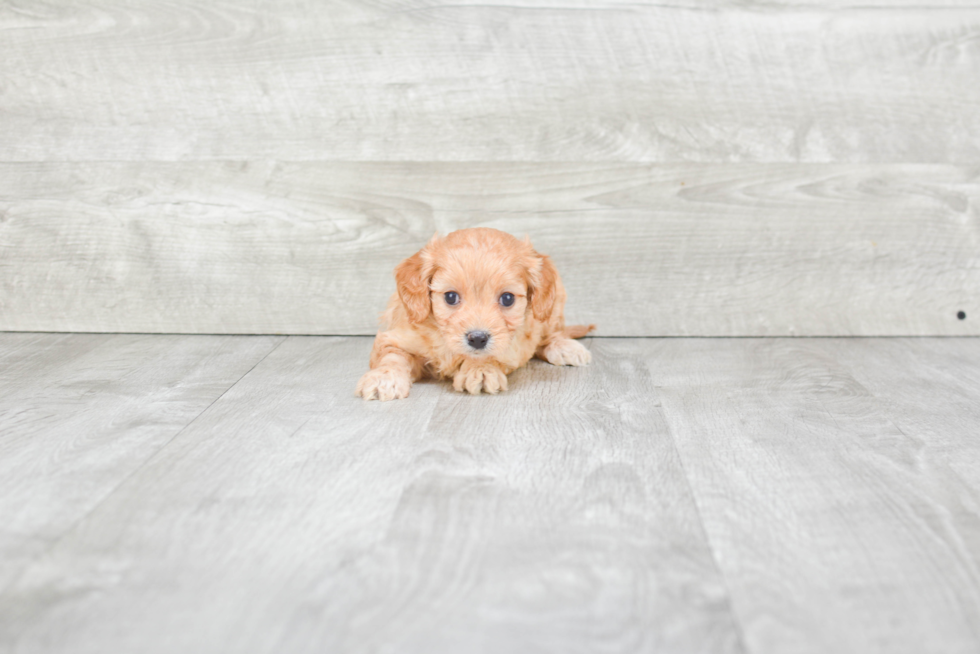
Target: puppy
(471, 307)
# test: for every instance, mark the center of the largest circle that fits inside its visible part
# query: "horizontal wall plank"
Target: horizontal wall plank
(516, 80)
(645, 250)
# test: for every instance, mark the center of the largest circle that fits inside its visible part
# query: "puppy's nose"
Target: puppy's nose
(477, 340)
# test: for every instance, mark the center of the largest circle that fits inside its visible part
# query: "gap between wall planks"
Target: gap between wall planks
(644, 249)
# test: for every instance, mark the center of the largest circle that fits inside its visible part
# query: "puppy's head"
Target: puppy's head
(480, 286)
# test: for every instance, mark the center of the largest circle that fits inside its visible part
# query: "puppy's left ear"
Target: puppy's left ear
(542, 285)
(412, 276)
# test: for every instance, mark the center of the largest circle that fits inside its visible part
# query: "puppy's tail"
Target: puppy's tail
(578, 331)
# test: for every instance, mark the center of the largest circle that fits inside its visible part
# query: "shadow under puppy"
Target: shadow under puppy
(472, 307)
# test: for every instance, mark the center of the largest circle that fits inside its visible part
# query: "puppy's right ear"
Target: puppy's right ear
(413, 276)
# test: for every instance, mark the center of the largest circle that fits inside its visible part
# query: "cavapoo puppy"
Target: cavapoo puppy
(472, 307)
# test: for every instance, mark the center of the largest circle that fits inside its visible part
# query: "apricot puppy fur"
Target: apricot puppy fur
(472, 307)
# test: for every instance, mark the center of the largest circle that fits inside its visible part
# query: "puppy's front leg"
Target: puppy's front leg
(476, 375)
(389, 378)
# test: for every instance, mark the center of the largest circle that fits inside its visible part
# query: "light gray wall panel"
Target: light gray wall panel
(645, 250)
(556, 81)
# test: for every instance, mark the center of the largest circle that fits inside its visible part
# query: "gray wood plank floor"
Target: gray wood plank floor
(80, 413)
(230, 494)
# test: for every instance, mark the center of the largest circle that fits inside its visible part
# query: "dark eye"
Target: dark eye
(507, 299)
(452, 298)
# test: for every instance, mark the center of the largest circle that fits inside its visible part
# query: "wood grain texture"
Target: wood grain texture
(551, 518)
(753, 495)
(80, 413)
(645, 250)
(292, 516)
(931, 390)
(410, 80)
(843, 519)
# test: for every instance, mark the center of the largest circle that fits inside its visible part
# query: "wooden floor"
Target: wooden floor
(230, 494)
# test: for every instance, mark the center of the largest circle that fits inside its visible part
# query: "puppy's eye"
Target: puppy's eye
(452, 298)
(507, 299)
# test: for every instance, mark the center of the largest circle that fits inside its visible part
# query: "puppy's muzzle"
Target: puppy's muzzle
(477, 339)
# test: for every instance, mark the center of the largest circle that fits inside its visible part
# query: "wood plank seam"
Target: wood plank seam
(81, 518)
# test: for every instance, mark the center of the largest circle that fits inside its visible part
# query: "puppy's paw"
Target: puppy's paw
(566, 352)
(473, 379)
(383, 384)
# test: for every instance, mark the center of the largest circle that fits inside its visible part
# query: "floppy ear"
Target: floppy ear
(413, 276)
(542, 280)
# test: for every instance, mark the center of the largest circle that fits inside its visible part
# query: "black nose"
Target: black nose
(477, 340)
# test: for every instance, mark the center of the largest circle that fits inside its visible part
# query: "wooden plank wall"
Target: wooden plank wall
(696, 169)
